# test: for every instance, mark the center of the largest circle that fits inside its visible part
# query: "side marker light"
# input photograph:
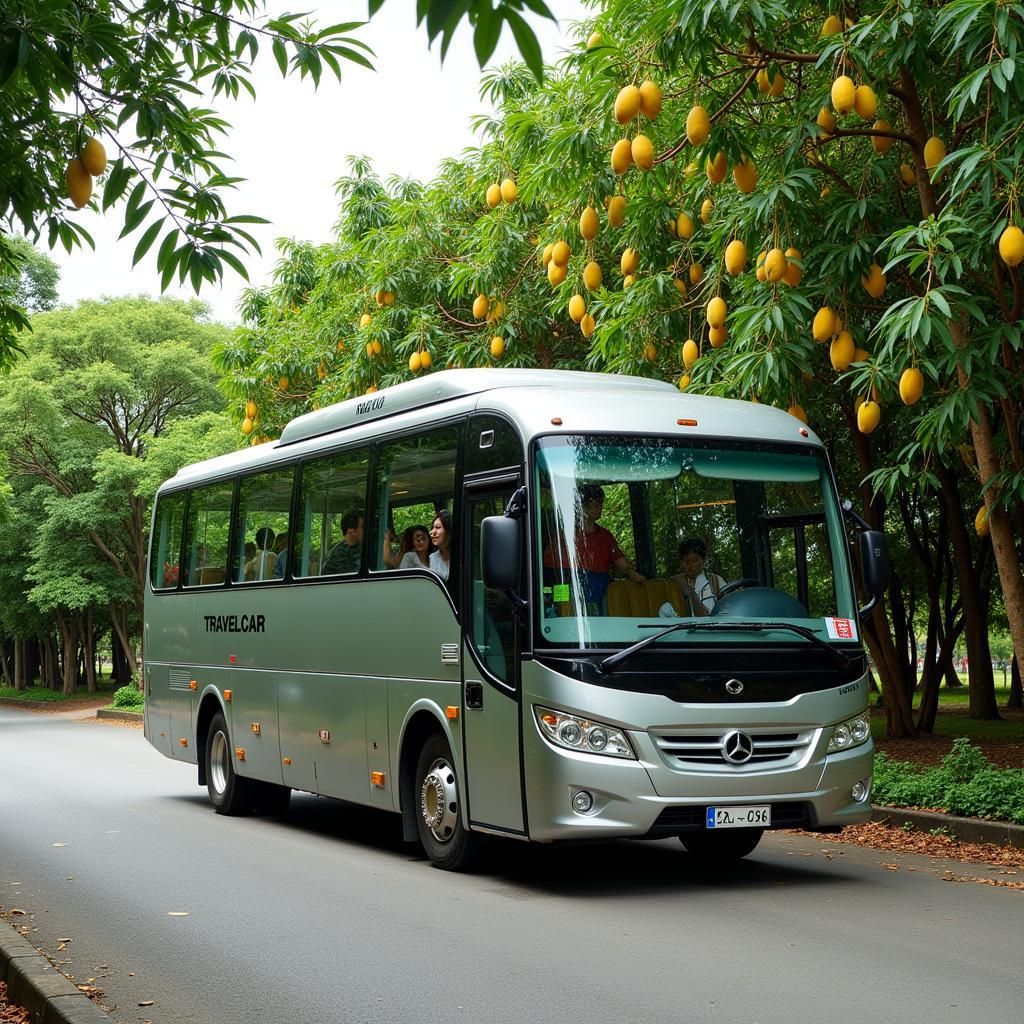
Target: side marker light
(182, 743)
(686, 423)
(227, 696)
(451, 711)
(376, 778)
(256, 728)
(240, 753)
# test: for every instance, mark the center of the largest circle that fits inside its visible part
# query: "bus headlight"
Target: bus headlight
(582, 734)
(851, 733)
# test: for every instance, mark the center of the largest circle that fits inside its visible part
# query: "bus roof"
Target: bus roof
(585, 402)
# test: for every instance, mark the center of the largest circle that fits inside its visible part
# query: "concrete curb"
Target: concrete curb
(120, 716)
(33, 705)
(971, 830)
(33, 982)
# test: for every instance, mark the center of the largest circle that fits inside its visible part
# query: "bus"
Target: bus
(553, 671)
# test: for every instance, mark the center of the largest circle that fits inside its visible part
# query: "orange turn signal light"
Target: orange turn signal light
(376, 778)
(686, 423)
(240, 753)
(451, 711)
(192, 684)
(227, 696)
(255, 728)
(556, 421)
(182, 743)
(287, 760)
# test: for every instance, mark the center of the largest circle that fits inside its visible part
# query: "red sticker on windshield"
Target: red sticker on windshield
(841, 629)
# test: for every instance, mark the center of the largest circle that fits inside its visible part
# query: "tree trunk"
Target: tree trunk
(8, 679)
(1016, 698)
(980, 681)
(19, 663)
(119, 621)
(89, 653)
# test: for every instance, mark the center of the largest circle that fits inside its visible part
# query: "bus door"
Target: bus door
(490, 674)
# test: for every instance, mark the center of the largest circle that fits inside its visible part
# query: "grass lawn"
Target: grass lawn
(104, 684)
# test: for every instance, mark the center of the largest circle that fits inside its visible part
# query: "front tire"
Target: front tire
(229, 793)
(447, 843)
(718, 847)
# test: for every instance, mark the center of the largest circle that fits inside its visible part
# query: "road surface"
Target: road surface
(328, 917)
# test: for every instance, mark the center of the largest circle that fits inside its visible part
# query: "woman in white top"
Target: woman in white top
(700, 589)
(441, 535)
(412, 553)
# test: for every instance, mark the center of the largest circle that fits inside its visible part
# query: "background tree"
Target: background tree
(129, 79)
(755, 201)
(99, 388)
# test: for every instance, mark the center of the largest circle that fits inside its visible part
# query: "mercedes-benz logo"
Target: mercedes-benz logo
(737, 747)
(734, 686)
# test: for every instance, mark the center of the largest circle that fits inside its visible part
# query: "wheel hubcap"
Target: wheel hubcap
(439, 801)
(219, 762)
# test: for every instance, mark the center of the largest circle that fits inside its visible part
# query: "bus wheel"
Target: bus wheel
(446, 842)
(229, 793)
(714, 847)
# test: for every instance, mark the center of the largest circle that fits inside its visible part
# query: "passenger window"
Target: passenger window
(262, 538)
(206, 541)
(332, 502)
(492, 443)
(416, 482)
(165, 550)
(493, 625)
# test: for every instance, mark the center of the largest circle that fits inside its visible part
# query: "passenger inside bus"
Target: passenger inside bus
(281, 553)
(441, 536)
(261, 567)
(414, 552)
(597, 552)
(346, 555)
(699, 587)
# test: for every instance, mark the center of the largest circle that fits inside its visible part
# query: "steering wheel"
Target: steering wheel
(737, 584)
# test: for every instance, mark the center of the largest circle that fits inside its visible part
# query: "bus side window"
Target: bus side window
(206, 538)
(261, 539)
(165, 551)
(332, 493)
(415, 480)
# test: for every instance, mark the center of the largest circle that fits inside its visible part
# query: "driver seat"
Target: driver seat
(629, 599)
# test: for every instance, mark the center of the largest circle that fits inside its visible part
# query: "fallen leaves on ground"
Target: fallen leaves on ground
(884, 837)
(10, 1014)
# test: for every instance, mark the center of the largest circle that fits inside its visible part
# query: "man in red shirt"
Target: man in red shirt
(597, 551)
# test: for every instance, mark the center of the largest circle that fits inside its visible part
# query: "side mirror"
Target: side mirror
(874, 557)
(501, 552)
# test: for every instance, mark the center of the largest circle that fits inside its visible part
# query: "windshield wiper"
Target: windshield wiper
(835, 655)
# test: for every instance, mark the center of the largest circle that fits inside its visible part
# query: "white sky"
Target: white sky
(291, 143)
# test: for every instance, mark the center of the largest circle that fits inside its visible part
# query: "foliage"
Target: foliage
(102, 387)
(137, 76)
(128, 698)
(31, 278)
(36, 693)
(965, 783)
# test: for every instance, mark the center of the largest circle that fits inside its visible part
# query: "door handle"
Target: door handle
(474, 696)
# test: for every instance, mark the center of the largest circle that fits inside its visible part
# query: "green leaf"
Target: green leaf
(526, 40)
(147, 240)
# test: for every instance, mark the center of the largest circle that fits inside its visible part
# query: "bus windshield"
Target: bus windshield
(637, 533)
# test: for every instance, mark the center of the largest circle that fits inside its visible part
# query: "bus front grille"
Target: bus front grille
(708, 749)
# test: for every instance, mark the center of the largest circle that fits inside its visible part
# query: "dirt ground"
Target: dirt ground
(930, 750)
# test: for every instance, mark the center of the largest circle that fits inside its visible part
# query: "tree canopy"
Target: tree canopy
(103, 389)
(813, 208)
(116, 94)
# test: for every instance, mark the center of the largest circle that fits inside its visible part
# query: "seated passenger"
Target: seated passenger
(347, 554)
(700, 589)
(281, 551)
(415, 551)
(440, 560)
(261, 567)
(597, 552)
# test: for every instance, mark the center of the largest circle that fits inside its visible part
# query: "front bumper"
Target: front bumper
(626, 801)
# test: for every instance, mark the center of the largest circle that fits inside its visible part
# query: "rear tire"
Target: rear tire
(447, 843)
(718, 847)
(229, 793)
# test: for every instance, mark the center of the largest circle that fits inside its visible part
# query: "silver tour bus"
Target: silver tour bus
(540, 605)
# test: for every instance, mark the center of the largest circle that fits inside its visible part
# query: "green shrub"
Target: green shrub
(965, 783)
(128, 698)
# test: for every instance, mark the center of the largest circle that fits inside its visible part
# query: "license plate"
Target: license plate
(753, 816)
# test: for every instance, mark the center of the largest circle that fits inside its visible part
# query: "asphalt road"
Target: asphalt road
(328, 917)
